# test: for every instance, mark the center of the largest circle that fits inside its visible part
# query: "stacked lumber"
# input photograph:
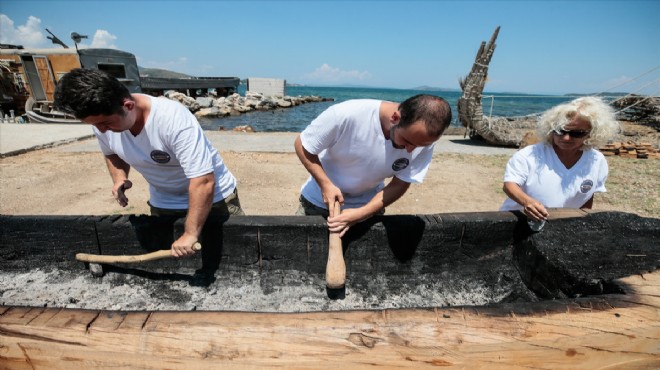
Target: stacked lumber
(630, 149)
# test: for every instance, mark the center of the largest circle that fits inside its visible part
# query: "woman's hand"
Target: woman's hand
(535, 210)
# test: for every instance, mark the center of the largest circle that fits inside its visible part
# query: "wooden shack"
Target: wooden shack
(29, 77)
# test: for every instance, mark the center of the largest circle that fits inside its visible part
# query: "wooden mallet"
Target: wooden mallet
(335, 270)
(95, 260)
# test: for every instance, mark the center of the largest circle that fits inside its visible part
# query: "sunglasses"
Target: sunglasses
(573, 134)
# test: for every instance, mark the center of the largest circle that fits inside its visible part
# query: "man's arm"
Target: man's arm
(311, 162)
(200, 194)
(388, 195)
(119, 173)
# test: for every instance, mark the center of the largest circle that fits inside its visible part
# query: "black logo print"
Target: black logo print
(400, 164)
(160, 156)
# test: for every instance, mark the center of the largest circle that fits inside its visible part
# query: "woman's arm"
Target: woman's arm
(532, 208)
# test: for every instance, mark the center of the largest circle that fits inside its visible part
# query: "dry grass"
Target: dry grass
(633, 184)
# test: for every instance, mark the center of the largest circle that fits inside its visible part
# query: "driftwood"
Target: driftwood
(494, 130)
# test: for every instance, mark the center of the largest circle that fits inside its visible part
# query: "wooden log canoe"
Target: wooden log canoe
(593, 287)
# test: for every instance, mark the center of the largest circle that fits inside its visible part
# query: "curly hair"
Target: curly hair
(599, 114)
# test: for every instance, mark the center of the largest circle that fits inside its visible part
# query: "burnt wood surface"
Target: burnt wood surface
(592, 301)
(571, 257)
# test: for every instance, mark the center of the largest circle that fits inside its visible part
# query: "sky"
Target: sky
(544, 47)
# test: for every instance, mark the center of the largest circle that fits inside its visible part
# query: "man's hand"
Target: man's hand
(118, 191)
(331, 194)
(348, 217)
(183, 247)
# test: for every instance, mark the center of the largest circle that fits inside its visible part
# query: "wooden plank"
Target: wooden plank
(21, 315)
(575, 333)
(557, 213)
(75, 320)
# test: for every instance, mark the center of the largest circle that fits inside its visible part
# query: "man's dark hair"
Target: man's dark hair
(90, 92)
(433, 110)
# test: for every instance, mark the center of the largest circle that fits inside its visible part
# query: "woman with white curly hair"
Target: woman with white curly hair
(563, 170)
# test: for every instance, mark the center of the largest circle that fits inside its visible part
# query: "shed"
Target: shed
(266, 86)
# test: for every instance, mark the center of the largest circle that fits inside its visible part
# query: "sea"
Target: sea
(295, 119)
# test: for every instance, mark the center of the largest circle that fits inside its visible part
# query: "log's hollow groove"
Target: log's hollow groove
(277, 263)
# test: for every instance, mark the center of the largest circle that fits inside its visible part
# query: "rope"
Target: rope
(630, 94)
(601, 94)
(637, 102)
(627, 82)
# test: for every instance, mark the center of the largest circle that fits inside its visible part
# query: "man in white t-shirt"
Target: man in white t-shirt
(163, 141)
(352, 147)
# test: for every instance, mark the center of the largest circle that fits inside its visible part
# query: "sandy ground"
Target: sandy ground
(54, 182)
(66, 180)
(59, 182)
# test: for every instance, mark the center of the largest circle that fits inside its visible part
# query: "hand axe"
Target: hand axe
(95, 260)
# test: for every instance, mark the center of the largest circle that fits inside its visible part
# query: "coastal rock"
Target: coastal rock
(208, 112)
(204, 102)
(284, 103)
(235, 104)
(244, 128)
(184, 99)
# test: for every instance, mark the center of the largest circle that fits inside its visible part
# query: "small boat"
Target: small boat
(44, 114)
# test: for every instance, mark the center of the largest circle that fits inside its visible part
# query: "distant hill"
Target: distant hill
(162, 73)
(354, 86)
(431, 88)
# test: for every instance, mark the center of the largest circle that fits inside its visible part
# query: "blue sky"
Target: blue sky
(551, 47)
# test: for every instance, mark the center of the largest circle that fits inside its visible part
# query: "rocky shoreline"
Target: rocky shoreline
(235, 104)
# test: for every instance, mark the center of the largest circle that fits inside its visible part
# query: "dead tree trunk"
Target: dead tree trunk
(470, 111)
(494, 130)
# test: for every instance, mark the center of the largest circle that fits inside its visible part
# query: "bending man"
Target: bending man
(162, 140)
(352, 147)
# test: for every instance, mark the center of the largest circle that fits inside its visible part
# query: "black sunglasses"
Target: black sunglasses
(573, 134)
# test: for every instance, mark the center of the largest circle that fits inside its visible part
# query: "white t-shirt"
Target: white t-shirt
(170, 150)
(355, 154)
(541, 175)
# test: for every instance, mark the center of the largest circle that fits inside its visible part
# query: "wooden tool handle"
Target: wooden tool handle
(335, 270)
(99, 258)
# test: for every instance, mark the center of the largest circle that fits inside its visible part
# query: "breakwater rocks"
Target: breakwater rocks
(235, 104)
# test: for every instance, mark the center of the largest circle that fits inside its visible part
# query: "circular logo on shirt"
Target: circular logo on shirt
(160, 156)
(586, 186)
(400, 164)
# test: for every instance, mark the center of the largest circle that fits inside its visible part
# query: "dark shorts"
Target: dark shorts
(226, 207)
(307, 208)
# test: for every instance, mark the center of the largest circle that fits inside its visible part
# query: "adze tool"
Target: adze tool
(95, 260)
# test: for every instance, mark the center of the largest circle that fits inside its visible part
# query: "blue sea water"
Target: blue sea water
(295, 119)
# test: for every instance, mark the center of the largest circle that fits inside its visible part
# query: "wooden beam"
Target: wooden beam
(619, 331)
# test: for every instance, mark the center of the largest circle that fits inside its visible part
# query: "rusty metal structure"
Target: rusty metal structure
(29, 77)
